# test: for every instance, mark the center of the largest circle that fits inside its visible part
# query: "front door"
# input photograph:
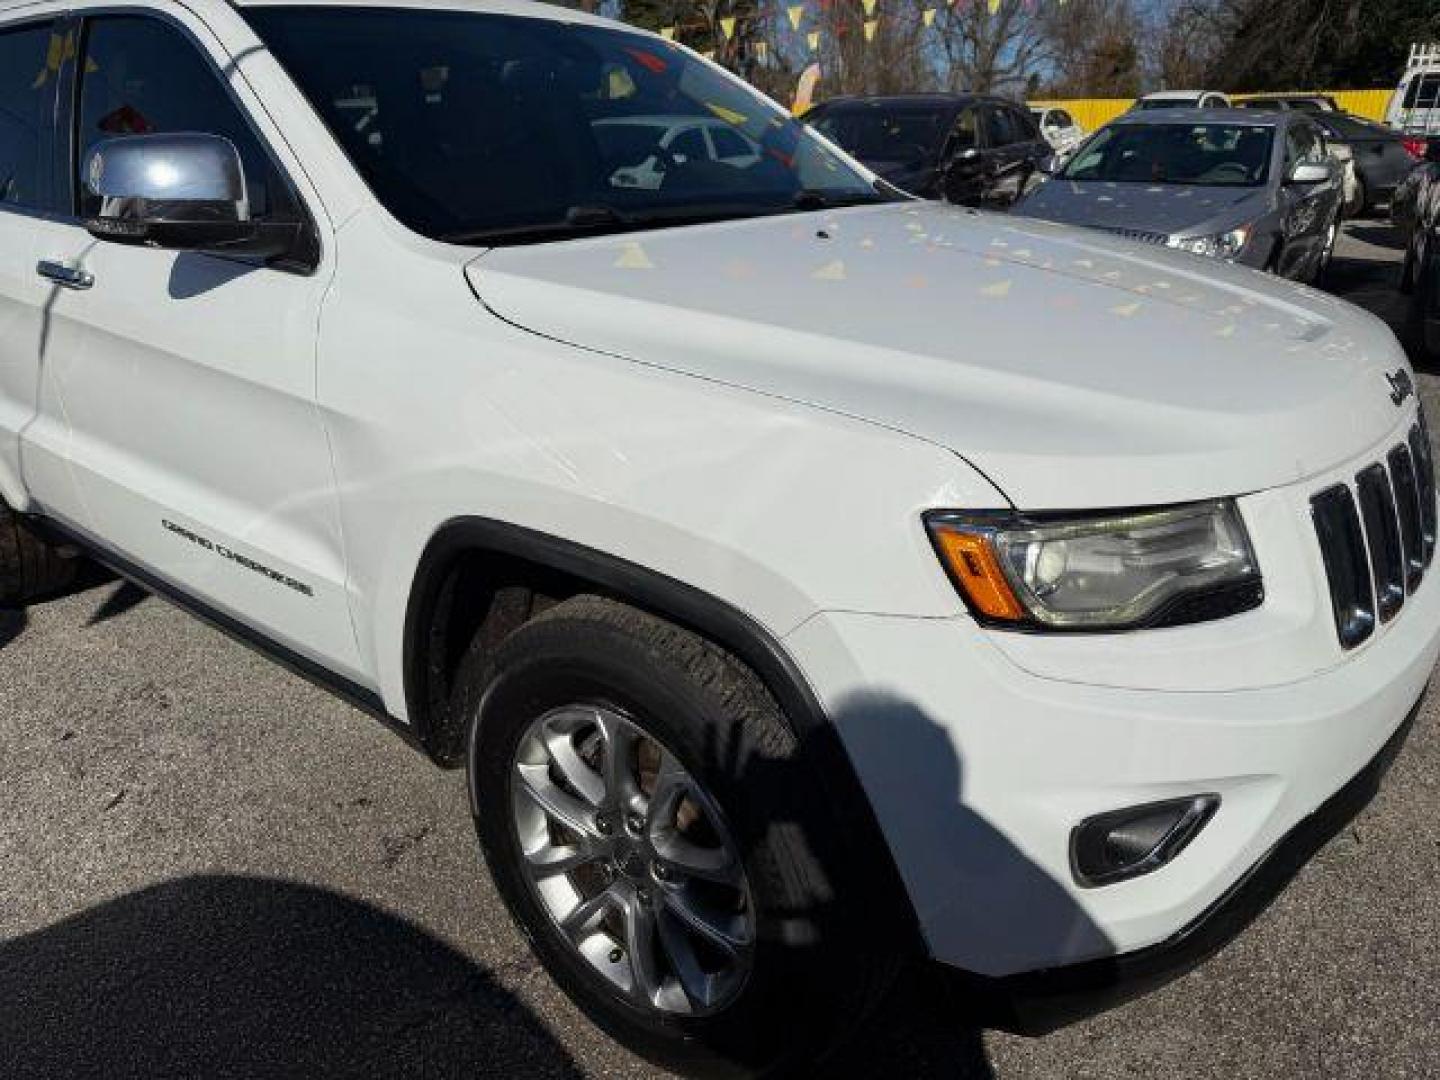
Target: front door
(27, 98)
(177, 417)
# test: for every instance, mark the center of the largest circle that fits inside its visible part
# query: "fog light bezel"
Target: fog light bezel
(1193, 813)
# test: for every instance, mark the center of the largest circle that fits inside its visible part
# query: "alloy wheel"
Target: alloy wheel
(632, 859)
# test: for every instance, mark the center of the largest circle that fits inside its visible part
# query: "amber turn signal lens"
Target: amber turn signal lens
(975, 569)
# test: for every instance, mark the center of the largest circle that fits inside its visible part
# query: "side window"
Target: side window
(1302, 144)
(27, 90)
(142, 76)
(997, 130)
(963, 137)
(690, 145)
(728, 144)
(1022, 128)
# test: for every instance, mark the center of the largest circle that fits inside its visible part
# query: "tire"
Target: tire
(1423, 321)
(30, 567)
(808, 974)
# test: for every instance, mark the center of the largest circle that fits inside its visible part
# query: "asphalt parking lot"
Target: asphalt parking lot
(210, 868)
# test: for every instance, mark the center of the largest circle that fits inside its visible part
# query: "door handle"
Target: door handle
(67, 276)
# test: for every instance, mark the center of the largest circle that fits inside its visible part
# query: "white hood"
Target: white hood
(1073, 369)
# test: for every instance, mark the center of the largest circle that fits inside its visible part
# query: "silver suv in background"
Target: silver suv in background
(1257, 188)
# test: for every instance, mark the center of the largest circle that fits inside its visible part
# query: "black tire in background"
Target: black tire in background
(1424, 313)
(818, 967)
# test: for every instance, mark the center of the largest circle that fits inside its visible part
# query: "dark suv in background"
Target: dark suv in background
(967, 148)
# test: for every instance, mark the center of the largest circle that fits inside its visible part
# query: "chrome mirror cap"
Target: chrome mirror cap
(173, 177)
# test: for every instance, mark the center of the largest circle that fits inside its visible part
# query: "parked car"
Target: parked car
(1058, 128)
(794, 616)
(1301, 102)
(1181, 99)
(1383, 157)
(1256, 188)
(968, 148)
(1414, 107)
(1416, 213)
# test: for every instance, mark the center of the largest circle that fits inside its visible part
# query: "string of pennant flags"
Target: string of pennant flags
(795, 15)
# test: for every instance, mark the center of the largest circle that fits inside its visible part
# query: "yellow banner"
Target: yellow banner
(928, 15)
(870, 27)
(796, 13)
(813, 40)
(727, 27)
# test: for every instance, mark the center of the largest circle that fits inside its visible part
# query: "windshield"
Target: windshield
(480, 128)
(1169, 103)
(1221, 154)
(886, 134)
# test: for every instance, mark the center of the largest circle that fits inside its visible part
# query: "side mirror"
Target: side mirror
(182, 192)
(1307, 173)
(1432, 150)
(1049, 164)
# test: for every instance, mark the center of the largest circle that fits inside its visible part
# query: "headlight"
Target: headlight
(1225, 245)
(1117, 572)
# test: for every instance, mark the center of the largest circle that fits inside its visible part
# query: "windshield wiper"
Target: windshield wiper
(816, 199)
(587, 220)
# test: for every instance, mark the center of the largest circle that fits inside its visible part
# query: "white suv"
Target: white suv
(806, 576)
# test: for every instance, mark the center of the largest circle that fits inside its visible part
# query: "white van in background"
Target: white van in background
(1415, 106)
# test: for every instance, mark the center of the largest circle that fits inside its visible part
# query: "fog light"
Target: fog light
(1124, 844)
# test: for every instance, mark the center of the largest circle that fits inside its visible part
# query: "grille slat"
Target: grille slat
(1391, 515)
(1141, 235)
(1382, 531)
(1343, 549)
(1407, 506)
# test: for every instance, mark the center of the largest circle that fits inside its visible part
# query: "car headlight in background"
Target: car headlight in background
(1113, 572)
(1226, 245)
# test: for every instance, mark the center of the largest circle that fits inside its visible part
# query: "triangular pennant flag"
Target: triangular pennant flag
(994, 6)
(796, 13)
(727, 26)
(668, 33)
(812, 39)
(870, 25)
(869, 8)
(928, 15)
(760, 49)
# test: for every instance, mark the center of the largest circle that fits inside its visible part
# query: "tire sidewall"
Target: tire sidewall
(766, 1022)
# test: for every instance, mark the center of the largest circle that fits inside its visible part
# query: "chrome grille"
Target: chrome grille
(1377, 539)
(1141, 235)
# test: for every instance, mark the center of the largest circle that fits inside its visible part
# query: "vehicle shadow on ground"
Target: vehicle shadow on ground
(928, 1026)
(248, 977)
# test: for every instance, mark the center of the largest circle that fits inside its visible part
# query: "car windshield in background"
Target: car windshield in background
(1344, 126)
(480, 128)
(1168, 103)
(1235, 155)
(880, 134)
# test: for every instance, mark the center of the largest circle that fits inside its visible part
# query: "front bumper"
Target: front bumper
(977, 771)
(1035, 1003)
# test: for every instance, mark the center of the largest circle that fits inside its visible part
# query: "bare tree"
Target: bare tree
(1095, 46)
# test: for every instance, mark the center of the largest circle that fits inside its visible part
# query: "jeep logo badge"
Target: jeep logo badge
(1401, 385)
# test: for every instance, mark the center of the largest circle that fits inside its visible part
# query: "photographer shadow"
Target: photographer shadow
(248, 977)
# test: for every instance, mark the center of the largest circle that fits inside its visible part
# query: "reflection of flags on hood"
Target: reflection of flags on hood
(805, 89)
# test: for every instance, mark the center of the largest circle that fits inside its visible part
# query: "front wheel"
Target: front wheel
(647, 816)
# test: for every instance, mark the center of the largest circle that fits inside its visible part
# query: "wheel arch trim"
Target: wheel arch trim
(685, 605)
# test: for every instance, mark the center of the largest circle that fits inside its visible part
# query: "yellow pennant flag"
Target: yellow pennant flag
(870, 25)
(813, 40)
(796, 13)
(870, 8)
(760, 49)
(668, 33)
(928, 15)
(994, 6)
(727, 26)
